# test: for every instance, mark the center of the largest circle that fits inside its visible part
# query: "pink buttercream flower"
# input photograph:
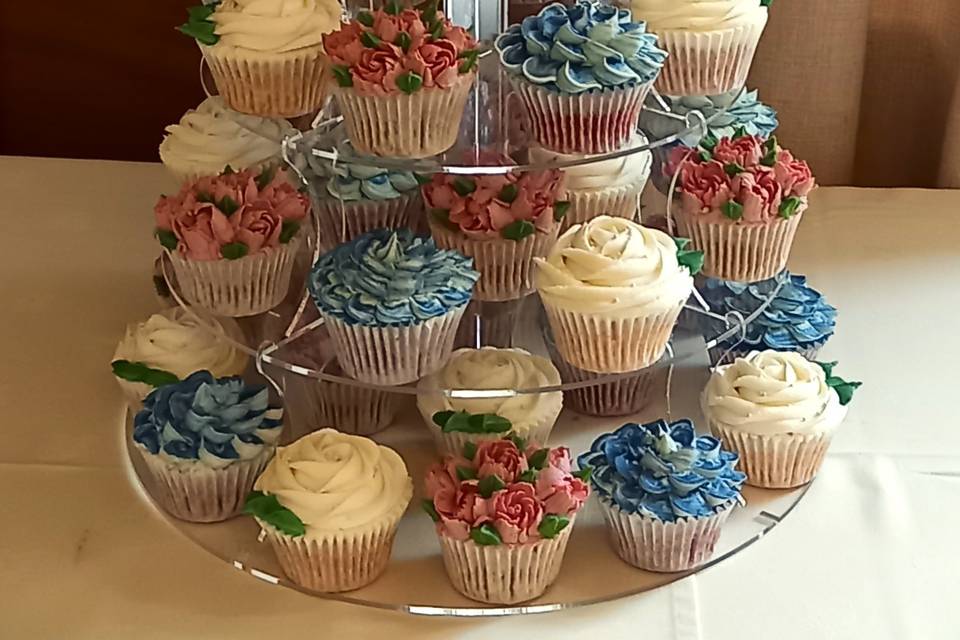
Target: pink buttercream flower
(560, 458)
(516, 513)
(436, 62)
(439, 479)
(745, 151)
(500, 458)
(388, 27)
(201, 230)
(257, 228)
(460, 510)
(376, 72)
(460, 38)
(704, 187)
(758, 192)
(561, 493)
(794, 175)
(343, 46)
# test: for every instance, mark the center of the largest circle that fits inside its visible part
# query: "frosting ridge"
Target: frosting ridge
(275, 26)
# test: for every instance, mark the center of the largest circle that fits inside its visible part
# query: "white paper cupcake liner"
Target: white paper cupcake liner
(337, 561)
(741, 252)
(198, 493)
(620, 202)
(418, 125)
(721, 355)
(610, 345)
(244, 287)
(271, 85)
(495, 322)
(358, 217)
(621, 397)
(394, 355)
(707, 62)
(591, 122)
(350, 409)
(504, 574)
(505, 266)
(780, 461)
(655, 545)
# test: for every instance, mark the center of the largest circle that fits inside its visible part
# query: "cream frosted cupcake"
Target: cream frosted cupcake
(212, 137)
(613, 290)
(711, 43)
(171, 345)
(610, 187)
(266, 56)
(204, 441)
(779, 411)
(530, 416)
(330, 504)
(401, 77)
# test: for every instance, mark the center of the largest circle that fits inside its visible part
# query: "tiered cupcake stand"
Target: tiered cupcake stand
(290, 349)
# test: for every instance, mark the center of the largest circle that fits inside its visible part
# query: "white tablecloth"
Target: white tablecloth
(869, 553)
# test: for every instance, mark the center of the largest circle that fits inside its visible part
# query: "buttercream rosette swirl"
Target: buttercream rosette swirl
(698, 15)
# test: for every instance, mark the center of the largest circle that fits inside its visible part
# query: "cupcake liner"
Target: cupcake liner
(244, 287)
(610, 345)
(361, 216)
(504, 574)
(505, 266)
(707, 62)
(394, 355)
(336, 561)
(590, 122)
(620, 397)
(350, 409)
(587, 204)
(497, 324)
(654, 545)
(418, 125)
(197, 493)
(271, 85)
(741, 252)
(780, 461)
(720, 354)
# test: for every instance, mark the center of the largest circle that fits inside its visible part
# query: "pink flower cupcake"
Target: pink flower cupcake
(741, 201)
(401, 79)
(501, 221)
(503, 513)
(232, 240)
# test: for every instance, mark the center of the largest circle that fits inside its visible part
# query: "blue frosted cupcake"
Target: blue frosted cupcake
(582, 73)
(204, 441)
(665, 492)
(797, 319)
(392, 302)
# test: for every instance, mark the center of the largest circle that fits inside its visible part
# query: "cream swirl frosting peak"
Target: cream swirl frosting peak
(616, 267)
(335, 482)
(275, 26)
(698, 15)
(770, 393)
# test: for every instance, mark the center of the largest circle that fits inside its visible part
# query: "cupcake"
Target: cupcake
(779, 411)
(665, 492)
(358, 199)
(171, 345)
(204, 441)
(610, 187)
(265, 56)
(330, 504)
(454, 420)
(391, 302)
(232, 240)
(727, 115)
(503, 514)
(502, 221)
(612, 290)
(401, 79)
(711, 44)
(797, 318)
(581, 73)
(212, 137)
(741, 201)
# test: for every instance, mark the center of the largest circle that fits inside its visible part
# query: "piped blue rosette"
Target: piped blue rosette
(355, 183)
(663, 471)
(797, 319)
(214, 422)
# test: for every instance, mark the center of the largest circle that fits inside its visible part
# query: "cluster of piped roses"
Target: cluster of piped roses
(513, 205)
(230, 215)
(400, 49)
(743, 177)
(505, 492)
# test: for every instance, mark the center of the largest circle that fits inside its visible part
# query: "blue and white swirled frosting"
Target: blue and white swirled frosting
(589, 46)
(726, 114)
(207, 420)
(391, 278)
(664, 470)
(798, 318)
(353, 183)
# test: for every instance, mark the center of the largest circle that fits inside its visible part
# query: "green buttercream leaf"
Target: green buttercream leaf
(199, 25)
(560, 210)
(467, 65)
(203, 196)
(288, 230)
(519, 442)
(469, 450)
(370, 40)
(436, 32)
(228, 206)
(485, 535)
(509, 193)
(466, 473)
(709, 142)
(200, 12)
(766, 3)
(489, 485)
(403, 41)
(732, 209)
(844, 388)
(228, 170)
(584, 474)
(268, 509)
(167, 238)
(733, 169)
(538, 458)
(530, 475)
(740, 131)
(409, 82)
(440, 418)
(769, 159)
(234, 250)
(789, 206)
(518, 230)
(771, 144)
(488, 423)
(342, 75)
(431, 510)
(827, 367)
(551, 525)
(421, 179)
(464, 186)
(705, 155)
(681, 243)
(139, 372)
(392, 8)
(266, 177)
(365, 18)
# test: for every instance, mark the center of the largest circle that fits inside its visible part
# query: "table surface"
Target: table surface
(868, 553)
